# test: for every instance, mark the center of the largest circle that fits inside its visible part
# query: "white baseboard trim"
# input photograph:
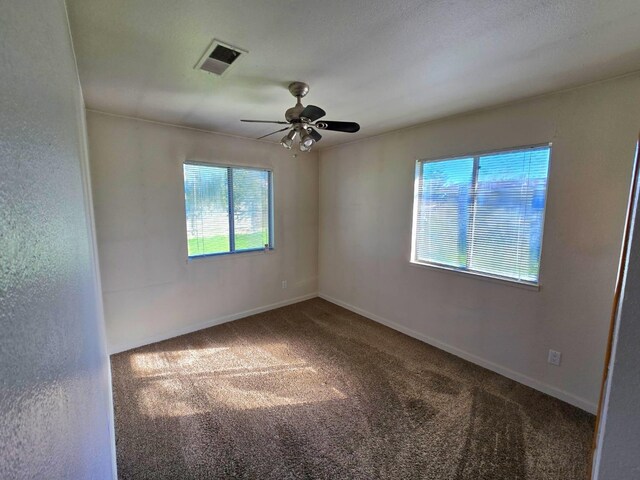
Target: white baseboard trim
(504, 371)
(113, 349)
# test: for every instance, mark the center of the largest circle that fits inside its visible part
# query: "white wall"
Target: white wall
(619, 435)
(366, 195)
(55, 394)
(151, 291)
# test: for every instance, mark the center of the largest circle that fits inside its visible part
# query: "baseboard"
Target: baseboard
(504, 371)
(113, 349)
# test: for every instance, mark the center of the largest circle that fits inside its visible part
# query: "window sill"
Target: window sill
(477, 275)
(241, 253)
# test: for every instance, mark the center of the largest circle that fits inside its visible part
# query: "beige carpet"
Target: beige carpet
(313, 391)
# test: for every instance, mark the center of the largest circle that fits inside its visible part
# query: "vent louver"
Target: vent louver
(219, 57)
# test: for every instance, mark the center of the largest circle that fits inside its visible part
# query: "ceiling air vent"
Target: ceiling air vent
(219, 57)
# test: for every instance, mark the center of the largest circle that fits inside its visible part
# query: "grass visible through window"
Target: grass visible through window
(220, 243)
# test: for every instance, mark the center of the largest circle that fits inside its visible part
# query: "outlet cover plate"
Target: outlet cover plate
(554, 358)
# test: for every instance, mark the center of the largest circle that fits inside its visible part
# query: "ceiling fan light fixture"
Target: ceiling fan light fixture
(306, 140)
(287, 140)
(304, 148)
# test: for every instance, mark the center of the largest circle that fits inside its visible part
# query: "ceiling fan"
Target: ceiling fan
(300, 122)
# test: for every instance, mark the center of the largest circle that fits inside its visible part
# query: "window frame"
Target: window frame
(270, 206)
(464, 270)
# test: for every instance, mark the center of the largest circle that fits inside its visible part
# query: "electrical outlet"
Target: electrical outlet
(554, 358)
(284, 284)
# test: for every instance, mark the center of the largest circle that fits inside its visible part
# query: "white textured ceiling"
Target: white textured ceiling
(385, 64)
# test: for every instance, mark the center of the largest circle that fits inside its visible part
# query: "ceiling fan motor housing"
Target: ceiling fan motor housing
(293, 113)
(298, 90)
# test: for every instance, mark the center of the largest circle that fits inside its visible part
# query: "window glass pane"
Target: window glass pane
(251, 208)
(442, 213)
(207, 209)
(483, 213)
(508, 213)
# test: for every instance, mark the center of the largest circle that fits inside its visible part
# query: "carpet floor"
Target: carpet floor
(314, 391)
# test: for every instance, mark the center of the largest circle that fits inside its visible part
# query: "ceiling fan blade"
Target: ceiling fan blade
(348, 127)
(265, 121)
(314, 134)
(281, 130)
(312, 112)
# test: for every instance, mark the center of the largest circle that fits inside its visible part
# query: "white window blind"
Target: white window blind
(228, 209)
(483, 213)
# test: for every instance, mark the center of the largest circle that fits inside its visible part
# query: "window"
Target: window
(228, 209)
(483, 213)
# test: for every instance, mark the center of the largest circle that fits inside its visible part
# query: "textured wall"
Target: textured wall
(151, 291)
(619, 441)
(54, 385)
(366, 197)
